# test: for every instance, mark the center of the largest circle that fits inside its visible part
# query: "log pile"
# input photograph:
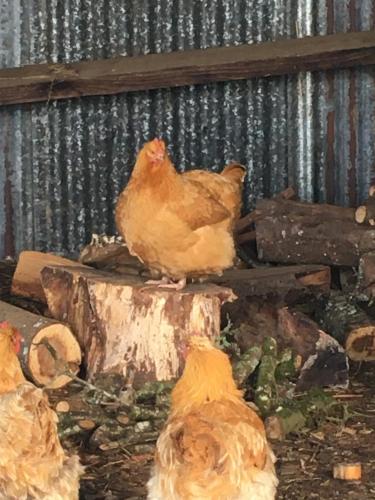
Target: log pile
(292, 324)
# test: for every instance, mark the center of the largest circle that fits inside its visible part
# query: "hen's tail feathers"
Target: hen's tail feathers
(235, 171)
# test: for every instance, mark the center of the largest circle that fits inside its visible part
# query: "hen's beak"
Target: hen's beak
(158, 151)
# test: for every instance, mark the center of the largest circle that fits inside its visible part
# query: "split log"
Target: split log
(37, 361)
(348, 324)
(126, 327)
(305, 233)
(26, 279)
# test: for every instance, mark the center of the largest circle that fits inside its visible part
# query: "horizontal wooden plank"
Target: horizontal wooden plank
(125, 74)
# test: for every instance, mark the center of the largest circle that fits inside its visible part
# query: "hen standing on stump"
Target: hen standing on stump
(213, 446)
(33, 465)
(179, 224)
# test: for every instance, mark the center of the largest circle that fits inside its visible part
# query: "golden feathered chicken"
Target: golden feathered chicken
(33, 465)
(213, 446)
(179, 224)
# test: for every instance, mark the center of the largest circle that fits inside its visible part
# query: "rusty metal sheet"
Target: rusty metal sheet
(62, 164)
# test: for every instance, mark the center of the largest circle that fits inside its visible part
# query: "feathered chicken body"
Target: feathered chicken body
(33, 465)
(213, 446)
(179, 224)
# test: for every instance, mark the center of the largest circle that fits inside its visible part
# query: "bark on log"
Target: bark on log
(250, 218)
(301, 233)
(126, 327)
(278, 280)
(350, 325)
(36, 360)
(366, 280)
(26, 280)
(279, 285)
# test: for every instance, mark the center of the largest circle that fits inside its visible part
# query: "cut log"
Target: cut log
(281, 285)
(86, 424)
(126, 327)
(26, 279)
(371, 191)
(305, 233)
(350, 325)
(250, 218)
(62, 407)
(278, 281)
(37, 361)
(366, 212)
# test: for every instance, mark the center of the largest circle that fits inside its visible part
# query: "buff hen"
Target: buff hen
(180, 225)
(213, 446)
(33, 465)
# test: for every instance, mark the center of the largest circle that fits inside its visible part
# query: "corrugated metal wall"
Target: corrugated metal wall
(63, 164)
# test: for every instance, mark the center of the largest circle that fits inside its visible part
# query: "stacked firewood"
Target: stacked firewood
(98, 311)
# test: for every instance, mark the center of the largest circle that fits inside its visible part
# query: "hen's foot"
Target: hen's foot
(168, 283)
(163, 281)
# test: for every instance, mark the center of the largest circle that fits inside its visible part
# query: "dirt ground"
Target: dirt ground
(304, 462)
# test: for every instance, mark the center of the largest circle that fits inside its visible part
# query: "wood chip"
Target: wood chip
(347, 472)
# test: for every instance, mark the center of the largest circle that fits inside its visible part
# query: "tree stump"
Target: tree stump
(126, 327)
(306, 233)
(37, 361)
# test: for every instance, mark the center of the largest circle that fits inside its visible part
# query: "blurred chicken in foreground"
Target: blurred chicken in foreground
(33, 464)
(213, 446)
(179, 224)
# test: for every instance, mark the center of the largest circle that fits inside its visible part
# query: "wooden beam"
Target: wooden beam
(125, 74)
